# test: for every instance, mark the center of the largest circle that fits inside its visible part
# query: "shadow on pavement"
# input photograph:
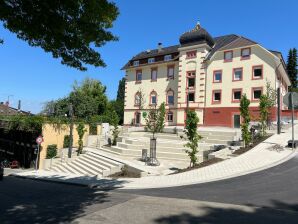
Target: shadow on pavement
(29, 201)
(279, 213)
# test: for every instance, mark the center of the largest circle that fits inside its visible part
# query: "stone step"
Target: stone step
(215, 141)
(83, 169)
(108, 160)
(92, 167)
(169, 143)
(138, 153)
(173, 149)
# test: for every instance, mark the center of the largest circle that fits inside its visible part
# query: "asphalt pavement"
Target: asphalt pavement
(269, 196)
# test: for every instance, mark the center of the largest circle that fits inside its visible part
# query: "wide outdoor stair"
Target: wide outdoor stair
(168, 146)
(90, 164)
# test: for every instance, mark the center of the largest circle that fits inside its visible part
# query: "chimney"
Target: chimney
(19, 105)
(159, 47)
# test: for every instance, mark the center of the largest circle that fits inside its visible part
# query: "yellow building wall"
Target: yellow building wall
(161, 86)
(53, 135)
(258, 57)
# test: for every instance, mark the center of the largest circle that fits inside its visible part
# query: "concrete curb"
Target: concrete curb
(41, 179)
(290, 156)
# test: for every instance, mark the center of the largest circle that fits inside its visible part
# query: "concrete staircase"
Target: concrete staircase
(169, 146)
(89, 164)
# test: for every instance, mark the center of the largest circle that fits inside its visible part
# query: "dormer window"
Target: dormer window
(228, 56)
(168, 57)
(136, 63)
(151, 60)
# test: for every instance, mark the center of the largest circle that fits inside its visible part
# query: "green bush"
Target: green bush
(66, 141)
(51, 151)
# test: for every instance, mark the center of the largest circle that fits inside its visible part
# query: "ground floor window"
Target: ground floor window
(170, 117)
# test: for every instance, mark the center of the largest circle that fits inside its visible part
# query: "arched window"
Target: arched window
(137, 99)
(170, 97)
(153, 98)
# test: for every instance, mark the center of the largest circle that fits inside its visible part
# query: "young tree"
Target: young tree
(161, 117)
(244, 112)
(70, 30)
(264, 113)
(81, 131)
(192, 136)
(292, 67)
(155, 119)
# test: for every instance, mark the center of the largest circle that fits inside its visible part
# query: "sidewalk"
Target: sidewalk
(258, 158)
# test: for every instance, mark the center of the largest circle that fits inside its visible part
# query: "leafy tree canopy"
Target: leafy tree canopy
(88, 99)
(292, 67)
(70, 30)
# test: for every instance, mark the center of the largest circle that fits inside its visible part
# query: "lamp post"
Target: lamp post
(278, 109)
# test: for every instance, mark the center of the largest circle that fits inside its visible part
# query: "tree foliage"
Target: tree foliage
(161, 117)
(244, 113)
(70, 30)
(192, 135)
(155, 119)
(88, 99)
(264, 112)
(81, 131)
(292, 67)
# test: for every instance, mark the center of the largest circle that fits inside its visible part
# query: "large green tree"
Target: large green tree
(118, 104)
(88, 99)
(70, 29)
(292, 67)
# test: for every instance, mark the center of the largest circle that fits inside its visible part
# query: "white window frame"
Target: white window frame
(168, 57)
(136, 63)
(151, 60)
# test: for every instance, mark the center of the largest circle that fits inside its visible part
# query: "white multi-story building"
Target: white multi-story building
(205, 74)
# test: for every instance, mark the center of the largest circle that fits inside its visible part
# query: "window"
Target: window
(137, 99)
(170, 117)
(245, 53)
(171, 72)
(257, 72)
(153, 98)
(191, 97)
(151, 60)
(191, 54)
(237, 74)
(170, 97)
(136, 63)
(216, 96)
(153, 74)
(236, 95)
(191, 82)
(217, 76)
(139, 76)
(228, 56)
(168, 57)
(256, 93)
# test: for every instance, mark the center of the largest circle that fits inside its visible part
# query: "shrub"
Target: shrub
(51, 151)
(66, 141)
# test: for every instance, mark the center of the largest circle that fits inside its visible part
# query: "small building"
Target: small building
(205, 74)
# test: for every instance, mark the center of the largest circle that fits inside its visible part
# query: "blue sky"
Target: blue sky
(33, 76)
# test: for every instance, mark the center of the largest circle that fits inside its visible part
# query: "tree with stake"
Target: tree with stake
(81, 131)
(192, 136)
(264, 113)
(244, 113)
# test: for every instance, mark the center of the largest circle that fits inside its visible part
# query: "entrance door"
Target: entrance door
(138, 118)
(236, 118)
